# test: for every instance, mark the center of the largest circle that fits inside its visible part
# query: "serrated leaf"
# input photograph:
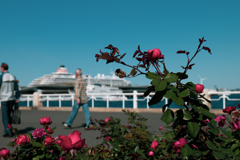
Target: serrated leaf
(218, 155)
(169, 94)
(208, 114)
(159, 85)
(148, 91)
(171, 77)
(181, 75)
(193, 128)
(215, 131)
(136, 149)
(196, 109)
(172, 88)
(193, 94)
(168, 116)
(227, 133)
(152, 75)
(156, 98)
(186, 115)
(36, 144)
(183, 93)
(211, 145)
(178, 100)
(186, 151)
(190, 85)
(234, 146)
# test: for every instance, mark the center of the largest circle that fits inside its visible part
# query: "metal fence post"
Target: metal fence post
(60, 105)
(135, 106)
(224, 100)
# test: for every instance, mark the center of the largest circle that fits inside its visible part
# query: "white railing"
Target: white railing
(100, 97)
(224, 96)
(26, 97)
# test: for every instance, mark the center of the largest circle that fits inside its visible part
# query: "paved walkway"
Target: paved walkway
(30, 121)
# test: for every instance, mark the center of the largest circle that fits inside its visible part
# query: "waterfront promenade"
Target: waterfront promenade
(30, 121)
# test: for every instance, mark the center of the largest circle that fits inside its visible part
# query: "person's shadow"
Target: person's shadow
(26, 130)
(82, 126)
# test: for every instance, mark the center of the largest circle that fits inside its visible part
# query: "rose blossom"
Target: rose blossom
(48, 129)
(150, 153)
(160, 128)
(155, 54)
(9, 126)
(194, 146)
(62, 158)
(179, 144)
(108, 138)
(45, 121)
(22, 139)
(235, 124)
(107, 119)
(85, 146)
(48, 140)
(154, 145)
(199, 88)
(221, 120)
(164, 140)
(206, 121)
(229, 109)
(38, 133)
(72, 141)
(4, 152)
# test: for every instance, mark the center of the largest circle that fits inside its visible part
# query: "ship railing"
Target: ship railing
(100, 97)
(26, 97)
(224, 95)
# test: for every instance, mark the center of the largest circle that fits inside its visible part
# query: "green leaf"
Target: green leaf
(178, 100)
(11, 143)
(159, 85)
(186, 115)
(171, 77)
(48, 155)
(234, 146)
(183, 93)
(141, 152)
(208, 114)
(193, 94)
(181, 75)
(164, 152)
(218, 155)
(190, 85)
(193, 128)
(187, 151)
(196, 109)
(211, 145)
(42, 156)
(36, 144)
(172, 88)
(136, 149)
(215, 131)
(169, 94)
(156, 98)
(227, 133)
(213, 122)
(115, 146)
(168, 116)
(148, 91)
(152, 75)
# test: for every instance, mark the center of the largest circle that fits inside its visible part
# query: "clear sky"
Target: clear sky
(36, 37)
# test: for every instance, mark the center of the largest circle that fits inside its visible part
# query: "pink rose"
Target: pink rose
(160, 128)
(164, 140)
(150, 153)
(217, 119)
(45, 121)
(199, 88)
(179, 144)
(229, 109)
(62, 158)
(206, 121)
(107, 119)
(72, 141)
(38, 133)
(85, 146)
(4, 152)
(155, 54)
(108, 138)
(22, 139)
(194, 146)
(235, 125)
(219, 135)
(48, 140)
(48, 129)
(154, 145)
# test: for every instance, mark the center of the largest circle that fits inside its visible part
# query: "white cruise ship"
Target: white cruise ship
(64, 78)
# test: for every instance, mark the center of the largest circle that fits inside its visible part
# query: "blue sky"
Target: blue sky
(36, 37)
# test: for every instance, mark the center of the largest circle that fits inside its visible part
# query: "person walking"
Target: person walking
(9, 95)
(80, 99)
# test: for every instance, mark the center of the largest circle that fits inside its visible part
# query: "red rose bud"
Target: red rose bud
(160, 128)
(22, 139)
(199, 88)
(4, 152)
(48, 140)
(48, 129)
(9, 126)
(229, 109)
(45, 121)
(155, 54)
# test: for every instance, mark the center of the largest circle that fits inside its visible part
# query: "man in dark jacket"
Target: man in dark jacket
(9, 94)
